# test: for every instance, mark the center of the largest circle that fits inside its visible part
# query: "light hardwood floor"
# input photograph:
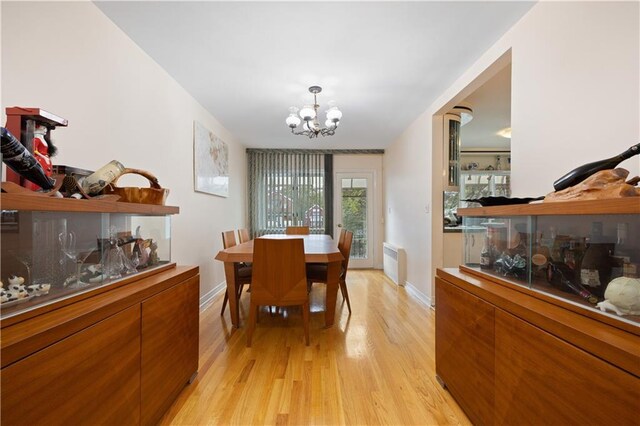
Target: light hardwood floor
(376, 366)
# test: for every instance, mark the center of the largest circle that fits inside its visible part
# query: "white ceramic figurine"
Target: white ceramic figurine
(39, 289)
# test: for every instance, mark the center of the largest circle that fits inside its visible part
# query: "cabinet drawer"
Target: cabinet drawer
(90, 377)
(540, 377)
(170, 330)
(465, 349)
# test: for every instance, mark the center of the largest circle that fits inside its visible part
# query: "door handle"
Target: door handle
(339, 225)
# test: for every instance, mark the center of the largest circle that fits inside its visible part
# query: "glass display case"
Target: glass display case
(56, 249)
(583, 253)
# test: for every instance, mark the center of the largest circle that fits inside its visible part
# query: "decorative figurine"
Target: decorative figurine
(154, 259)
(622, 296)
(39, 289)
(22, 162)
(515, 266)
(15, 280)
(4, 296)
(602, 185)
(43, 150)
(17, 291)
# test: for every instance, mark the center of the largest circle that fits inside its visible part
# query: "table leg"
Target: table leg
(230, 276)
(333, 277)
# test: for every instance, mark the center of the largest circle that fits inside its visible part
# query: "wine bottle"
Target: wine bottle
(486, 261)
(624, 254)
(561, 276)
(20, 160)
(579, 174)
(595, 268)
(96, 181)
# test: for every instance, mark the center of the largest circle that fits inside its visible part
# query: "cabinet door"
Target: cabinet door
(169, 346)
(541, 379)
(91, 377)
(465, 349)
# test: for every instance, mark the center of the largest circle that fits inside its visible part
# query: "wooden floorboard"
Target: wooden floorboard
(374, 367)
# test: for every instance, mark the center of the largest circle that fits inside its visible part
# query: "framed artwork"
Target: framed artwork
(211, 162)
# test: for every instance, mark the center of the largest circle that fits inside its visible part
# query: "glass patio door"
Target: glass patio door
(354, 212)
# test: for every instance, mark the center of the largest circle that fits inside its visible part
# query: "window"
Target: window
(289, 189)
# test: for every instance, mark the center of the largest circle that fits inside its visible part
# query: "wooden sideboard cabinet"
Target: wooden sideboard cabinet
(120, 356)
(509, 357)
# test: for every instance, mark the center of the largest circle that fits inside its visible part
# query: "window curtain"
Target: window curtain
(290, 188)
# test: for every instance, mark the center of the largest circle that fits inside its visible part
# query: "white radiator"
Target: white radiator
(394, 260)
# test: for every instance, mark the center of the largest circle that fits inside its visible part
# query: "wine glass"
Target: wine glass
(27, 261)
(69, 246)
(134, 262)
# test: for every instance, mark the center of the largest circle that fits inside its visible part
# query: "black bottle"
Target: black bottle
(16, 156)
(595, 268)
(579, 174)
(486, 258)
(623, 264)
(561, 276)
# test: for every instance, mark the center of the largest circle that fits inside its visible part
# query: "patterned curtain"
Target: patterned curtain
(289, 188)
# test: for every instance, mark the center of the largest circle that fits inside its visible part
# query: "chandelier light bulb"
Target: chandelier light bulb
(307, 113)
(292, 120)
(331, 124)
(334, 114)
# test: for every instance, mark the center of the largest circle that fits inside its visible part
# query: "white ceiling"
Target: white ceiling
(491, 105)
(384, 63)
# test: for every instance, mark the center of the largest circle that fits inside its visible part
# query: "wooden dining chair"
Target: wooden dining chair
(341, 238)
(297, 230)
(242, 271)
(279, 279)
(317, 273)
(243, 235)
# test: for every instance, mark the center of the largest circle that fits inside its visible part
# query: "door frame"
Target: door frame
(370, 175)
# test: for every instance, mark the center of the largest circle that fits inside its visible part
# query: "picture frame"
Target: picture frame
(211, 162)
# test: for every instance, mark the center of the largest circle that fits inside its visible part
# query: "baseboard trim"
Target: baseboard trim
(206, 300)
(417, 294)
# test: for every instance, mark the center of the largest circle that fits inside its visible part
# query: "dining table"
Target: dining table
(317, 249)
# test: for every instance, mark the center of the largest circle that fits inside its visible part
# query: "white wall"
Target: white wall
(407, 195)
(353, 163)
(71, 60)
(575, 89)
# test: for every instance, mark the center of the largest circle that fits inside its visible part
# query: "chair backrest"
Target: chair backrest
(341, 239)
(279, 274)
(243, 235)
(345, 249)
(297, 230)
(228, 239)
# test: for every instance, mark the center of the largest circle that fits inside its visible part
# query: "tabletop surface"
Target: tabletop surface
(317, 249)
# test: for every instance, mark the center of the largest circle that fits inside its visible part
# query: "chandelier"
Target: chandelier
(309, 114)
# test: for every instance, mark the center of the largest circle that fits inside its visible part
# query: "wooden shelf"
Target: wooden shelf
(38, 203)
(628, 205)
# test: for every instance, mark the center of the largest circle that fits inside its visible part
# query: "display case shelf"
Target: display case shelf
(627, 205)
(56, 251)
(581, 255)
(52, 204)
